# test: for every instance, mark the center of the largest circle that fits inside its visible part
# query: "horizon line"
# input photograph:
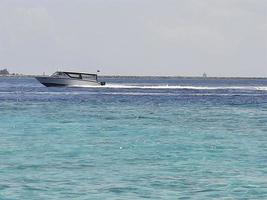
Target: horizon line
(159, 76)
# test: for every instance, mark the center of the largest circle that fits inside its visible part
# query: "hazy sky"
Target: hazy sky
(135, 37)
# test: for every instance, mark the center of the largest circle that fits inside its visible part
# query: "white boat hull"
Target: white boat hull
(61, 82)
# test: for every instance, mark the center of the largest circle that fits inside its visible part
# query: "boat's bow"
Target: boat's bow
(50, 82)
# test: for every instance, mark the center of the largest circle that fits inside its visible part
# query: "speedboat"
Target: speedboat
(70, 79)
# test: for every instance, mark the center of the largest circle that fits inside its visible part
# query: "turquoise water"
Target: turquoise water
(136, 138)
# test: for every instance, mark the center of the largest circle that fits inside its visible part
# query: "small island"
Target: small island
(5, 72)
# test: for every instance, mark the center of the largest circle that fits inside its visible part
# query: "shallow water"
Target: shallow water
(136, 138)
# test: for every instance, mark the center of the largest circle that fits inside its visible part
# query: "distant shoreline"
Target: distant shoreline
(154, 76)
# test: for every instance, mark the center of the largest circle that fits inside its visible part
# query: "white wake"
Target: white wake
(124, 86)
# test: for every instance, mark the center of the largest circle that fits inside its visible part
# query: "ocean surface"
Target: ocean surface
(135, 138)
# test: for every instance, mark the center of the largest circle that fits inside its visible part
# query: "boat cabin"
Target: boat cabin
(75, 75)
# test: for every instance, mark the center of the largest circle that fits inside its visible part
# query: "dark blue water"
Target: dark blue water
(135, 138)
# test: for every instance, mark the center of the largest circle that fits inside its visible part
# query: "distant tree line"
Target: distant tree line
(4, 72)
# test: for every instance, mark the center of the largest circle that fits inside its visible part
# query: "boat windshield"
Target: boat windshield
(59, 74)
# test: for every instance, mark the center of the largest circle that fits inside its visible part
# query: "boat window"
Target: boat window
(88, 77)
(74, 75)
